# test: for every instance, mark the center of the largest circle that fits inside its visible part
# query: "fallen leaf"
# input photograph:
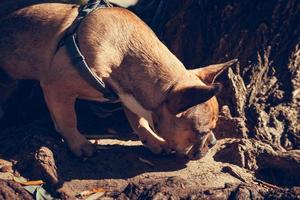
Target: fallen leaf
(36, 182)
(95, 196)
(23, 181)
(39, 192)
(6, 176)
(86, 193)
(31, 189)
(42, 194)
(20, 179)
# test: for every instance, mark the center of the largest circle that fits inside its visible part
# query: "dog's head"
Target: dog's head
(188, 115)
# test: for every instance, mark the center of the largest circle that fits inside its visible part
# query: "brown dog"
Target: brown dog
(168, 106)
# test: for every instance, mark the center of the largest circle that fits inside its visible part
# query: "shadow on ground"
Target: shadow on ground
(109, 162)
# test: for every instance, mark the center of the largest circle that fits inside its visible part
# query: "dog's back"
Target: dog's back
(29, 37)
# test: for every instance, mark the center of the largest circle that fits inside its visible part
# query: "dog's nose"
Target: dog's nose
(195, 155)
(200, 149)
(195, 152)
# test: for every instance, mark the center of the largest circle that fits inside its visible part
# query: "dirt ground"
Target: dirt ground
(235, 168)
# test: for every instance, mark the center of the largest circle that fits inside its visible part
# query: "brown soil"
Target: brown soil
(257, 155)
(234, 168)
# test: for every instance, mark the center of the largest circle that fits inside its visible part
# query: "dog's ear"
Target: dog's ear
(180, 99)
(209, 73)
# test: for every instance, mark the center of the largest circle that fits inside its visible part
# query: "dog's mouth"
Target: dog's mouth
(200, 148)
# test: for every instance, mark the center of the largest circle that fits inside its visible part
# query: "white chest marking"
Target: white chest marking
(134, 106)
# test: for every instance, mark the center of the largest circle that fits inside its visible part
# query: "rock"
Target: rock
(164, 188)
(246, 192)
(12, 190)
(279, 168)
(168, 188)
(232, 153)
(44, 166)
(279, 194)
(230, 127)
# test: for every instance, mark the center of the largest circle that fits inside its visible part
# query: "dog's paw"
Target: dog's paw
(157, 146)
(82, 148)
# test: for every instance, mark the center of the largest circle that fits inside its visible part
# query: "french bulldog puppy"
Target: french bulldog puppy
(168, 106)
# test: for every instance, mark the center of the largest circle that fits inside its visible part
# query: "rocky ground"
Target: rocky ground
(257, 155)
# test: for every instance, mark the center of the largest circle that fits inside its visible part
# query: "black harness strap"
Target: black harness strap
(78, 60)
(85, 71)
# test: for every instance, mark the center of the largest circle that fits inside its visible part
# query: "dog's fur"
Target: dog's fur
(168, 106)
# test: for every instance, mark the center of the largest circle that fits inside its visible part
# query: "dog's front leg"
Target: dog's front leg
(150, 139)
(61, 105)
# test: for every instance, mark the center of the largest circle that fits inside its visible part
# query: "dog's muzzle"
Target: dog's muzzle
(200, 149)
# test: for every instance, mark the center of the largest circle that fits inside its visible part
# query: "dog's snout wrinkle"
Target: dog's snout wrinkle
(189, 149)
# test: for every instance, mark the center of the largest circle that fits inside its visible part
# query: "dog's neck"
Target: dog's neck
(147, 72)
